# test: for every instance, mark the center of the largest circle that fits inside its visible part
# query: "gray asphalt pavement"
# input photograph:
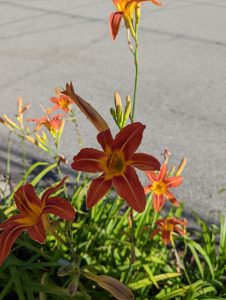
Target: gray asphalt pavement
(182, 87)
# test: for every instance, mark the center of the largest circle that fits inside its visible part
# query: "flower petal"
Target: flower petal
(37, 232)
(147, 189)
(176, 221)
(114, 23)
(129, 138)
(181, 231)
(158, 202)
(97, 189)
(105, 139)
(160, 223)
(172, 199)
(145, 162)
(128, 187)
(170, 196)
(52, 189)
(163, 171)
(152, 176)
(116, 3)
(59, 207)
(166, 237)
(156, 2)
(8, 238)
(154, 232)
(12, 220)
(26, 199)
(88, 160)
(153, 1)
(94, 117)
(174, 181)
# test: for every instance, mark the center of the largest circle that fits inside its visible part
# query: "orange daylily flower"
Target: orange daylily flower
(168, 226)
(95, 118)
(116, 163)
(160, 185)
(53, 124)
(125, 9)
(62, 102)
(33, 216)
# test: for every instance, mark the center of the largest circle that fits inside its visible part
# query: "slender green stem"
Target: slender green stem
(179, 262)
(24, 153)
(136, 73)
(129, 42)
(133, 239)
(155, 218)
(133, 243)
(70, 239)
(185, 271)
(79, 135)
(22, 135)
(135, 54)
(8, 163)
(58, 167)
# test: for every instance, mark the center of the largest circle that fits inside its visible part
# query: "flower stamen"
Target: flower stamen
(159, 187)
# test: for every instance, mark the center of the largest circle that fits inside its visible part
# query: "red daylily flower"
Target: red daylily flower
(116, 163)
(125, 9)
(33, 216)
(160, 185)
(53, 124)
(168, 226)
(62, 102)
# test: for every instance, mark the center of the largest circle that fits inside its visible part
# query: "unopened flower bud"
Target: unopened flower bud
(117, 99)
(114, 286)
(8, 122)
(167, 153)
(113, 113)
(72, 287)
(181, 167)
(127, 110)
(129, 25)
(31, 139)
(119, 115)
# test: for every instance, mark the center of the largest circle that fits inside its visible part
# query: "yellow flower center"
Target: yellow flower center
(32, 216)
(114, 164)
(159, 187)
(168, 227)
(63, 103)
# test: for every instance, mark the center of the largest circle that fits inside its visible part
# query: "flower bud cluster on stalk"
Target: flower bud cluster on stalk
(119, 115)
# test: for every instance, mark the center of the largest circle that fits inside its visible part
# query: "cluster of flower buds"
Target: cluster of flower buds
(19, 129)
(119, 115)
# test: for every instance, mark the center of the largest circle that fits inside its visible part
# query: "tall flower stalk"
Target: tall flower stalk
(126, 9)
(135, 54)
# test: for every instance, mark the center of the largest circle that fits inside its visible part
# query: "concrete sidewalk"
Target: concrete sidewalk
(182, 87)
